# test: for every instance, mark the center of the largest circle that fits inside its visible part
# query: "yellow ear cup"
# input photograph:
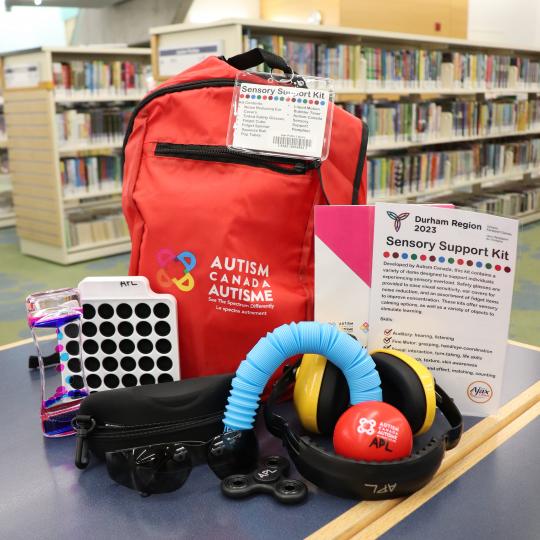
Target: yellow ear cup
(307, 388)
(426, 379)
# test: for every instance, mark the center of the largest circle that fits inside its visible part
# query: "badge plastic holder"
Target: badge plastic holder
(281, 115)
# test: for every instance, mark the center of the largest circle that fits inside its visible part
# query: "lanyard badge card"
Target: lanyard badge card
(281, 115)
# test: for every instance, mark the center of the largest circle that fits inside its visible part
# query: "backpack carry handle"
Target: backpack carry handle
(253, 58)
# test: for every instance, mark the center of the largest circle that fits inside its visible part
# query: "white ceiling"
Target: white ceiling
(65, 3)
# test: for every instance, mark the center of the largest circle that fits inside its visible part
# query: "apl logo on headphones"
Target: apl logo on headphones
(176, 269)
(397, 218)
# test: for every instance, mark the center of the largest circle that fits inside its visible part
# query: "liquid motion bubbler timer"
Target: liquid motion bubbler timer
(59, 310)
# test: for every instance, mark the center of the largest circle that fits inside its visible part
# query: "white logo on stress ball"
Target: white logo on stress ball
(366, 425)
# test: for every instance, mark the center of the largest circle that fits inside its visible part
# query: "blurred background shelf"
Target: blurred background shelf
(60, 161)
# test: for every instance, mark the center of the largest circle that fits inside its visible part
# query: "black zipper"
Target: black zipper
(224, 154)
(85, 425)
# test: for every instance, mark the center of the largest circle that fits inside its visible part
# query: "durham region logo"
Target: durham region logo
(397, 218)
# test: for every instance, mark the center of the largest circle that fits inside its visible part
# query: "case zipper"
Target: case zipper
(224, 154)
(84, 425)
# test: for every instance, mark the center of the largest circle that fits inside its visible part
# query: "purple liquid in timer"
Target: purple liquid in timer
(54, 316)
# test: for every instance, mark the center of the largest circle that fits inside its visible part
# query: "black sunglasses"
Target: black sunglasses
(164, 467)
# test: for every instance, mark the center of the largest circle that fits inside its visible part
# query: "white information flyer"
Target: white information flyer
(441, 291)
(175, 60)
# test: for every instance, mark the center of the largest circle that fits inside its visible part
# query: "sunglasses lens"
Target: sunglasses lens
(234, 452)
(159, 468)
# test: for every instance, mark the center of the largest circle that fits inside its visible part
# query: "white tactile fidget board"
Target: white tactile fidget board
(129, 336)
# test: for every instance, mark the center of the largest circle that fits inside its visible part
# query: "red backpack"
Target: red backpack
(229, 234)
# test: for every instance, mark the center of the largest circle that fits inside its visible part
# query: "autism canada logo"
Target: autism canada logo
(366, 425)
(175, 269)
(479, 392)
(398, 218)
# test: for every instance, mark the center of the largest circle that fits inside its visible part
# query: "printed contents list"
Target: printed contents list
(442, 292)
(280, 119)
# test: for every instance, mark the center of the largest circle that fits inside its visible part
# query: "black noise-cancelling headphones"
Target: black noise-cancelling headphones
(405, 385)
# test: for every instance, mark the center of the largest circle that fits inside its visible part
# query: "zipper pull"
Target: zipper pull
(305, 166)
(84, 425)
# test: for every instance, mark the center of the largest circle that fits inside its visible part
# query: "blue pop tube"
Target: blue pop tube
(289, 340)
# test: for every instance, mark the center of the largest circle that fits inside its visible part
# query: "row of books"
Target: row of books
(3, 132)
(92, 174)
(507, 200)
(86, 226)
(98, 76)
(489, 71)
(419, 172)
(92, 125)
(4, 161)
(424, 121)
(369, 68)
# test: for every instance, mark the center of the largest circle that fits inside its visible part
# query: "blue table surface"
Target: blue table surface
(43, 495)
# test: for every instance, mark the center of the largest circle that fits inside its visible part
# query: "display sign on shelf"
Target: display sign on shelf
(22, 76)
(174, 60)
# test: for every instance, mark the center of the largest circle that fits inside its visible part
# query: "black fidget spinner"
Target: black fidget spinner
(270, 477)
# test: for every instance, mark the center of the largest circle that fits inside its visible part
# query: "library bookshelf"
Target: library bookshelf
(7, 214)
(39, 83)
(446, 71)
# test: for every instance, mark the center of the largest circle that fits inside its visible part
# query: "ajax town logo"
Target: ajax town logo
(175, 269)
(479, 392)
(397, 218)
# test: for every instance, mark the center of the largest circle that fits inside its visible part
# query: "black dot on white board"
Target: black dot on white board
(74, 365)
(72, 347)
(165, 377)
(142, 311)
(91, 363)
(93, 381)
(145, 346)
(124, 311)
(89, 329)
(127, 363)
(71, 330)
(162, 328)
(108, 346)
(161, 310)
(106, 311)
(147, 379)
(111, 381)
(110, 364)
(164, 363)
(125, 329)
(107, 329)
(146, 363)
(90, 346)
(89, 311)
(163, 346)
(129, 380)
(126, 346)
(144, 328)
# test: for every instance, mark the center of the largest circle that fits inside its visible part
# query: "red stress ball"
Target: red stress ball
(373, 431)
